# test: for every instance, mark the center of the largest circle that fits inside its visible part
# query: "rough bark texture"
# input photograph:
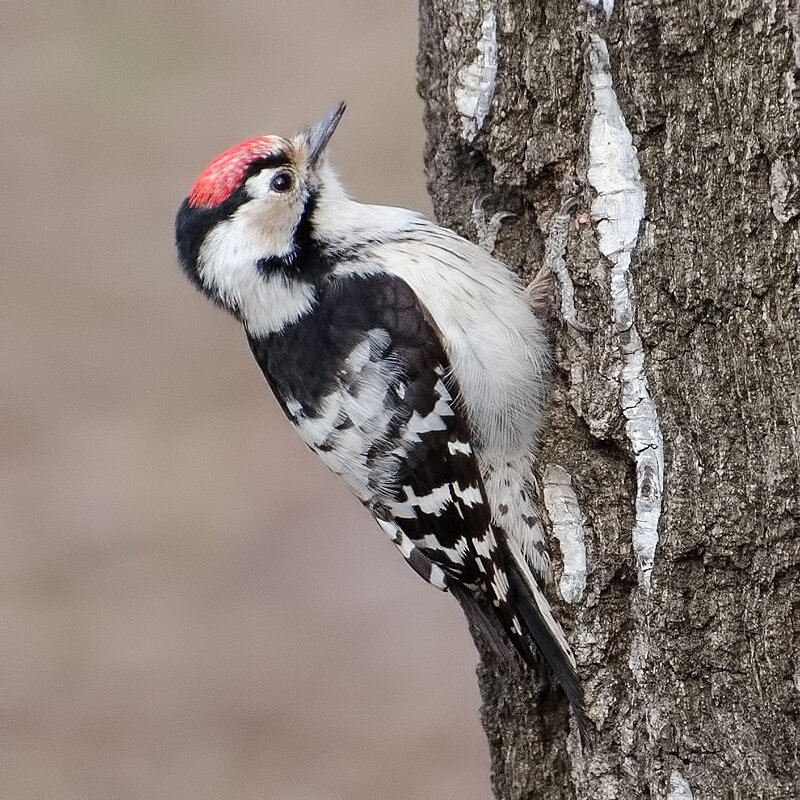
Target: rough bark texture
(692, 683)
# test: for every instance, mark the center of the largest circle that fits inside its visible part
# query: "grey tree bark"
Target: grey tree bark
(675, 403)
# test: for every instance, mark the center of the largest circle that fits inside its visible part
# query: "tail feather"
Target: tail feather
(528, 619)
(559, 661)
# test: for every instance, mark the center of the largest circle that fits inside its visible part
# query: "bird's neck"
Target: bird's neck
(339, 221)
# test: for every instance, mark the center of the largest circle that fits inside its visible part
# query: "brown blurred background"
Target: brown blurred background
(196, 607)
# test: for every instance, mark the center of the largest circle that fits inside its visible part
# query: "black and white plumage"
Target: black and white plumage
(404, 355)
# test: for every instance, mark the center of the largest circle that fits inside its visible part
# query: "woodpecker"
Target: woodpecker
(406, 357)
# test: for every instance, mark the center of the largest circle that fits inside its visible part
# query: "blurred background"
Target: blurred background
(194, 606)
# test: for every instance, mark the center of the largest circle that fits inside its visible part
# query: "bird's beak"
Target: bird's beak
(320, 134)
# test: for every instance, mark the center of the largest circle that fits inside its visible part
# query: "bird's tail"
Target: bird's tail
(525, 615)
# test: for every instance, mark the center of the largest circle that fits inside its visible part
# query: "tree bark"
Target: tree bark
(671, 460)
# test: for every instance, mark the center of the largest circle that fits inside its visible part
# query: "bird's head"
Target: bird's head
(241, 231)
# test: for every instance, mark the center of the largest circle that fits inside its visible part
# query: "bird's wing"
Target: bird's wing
(387, 418)
(396, 392)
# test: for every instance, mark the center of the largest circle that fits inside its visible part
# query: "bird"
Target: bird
(407, 357)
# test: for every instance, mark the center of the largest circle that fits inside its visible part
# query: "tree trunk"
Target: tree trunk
(670, 466)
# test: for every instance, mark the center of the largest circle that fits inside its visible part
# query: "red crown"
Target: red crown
(224, 174)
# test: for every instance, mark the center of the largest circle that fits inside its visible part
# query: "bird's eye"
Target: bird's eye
(282, 182)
